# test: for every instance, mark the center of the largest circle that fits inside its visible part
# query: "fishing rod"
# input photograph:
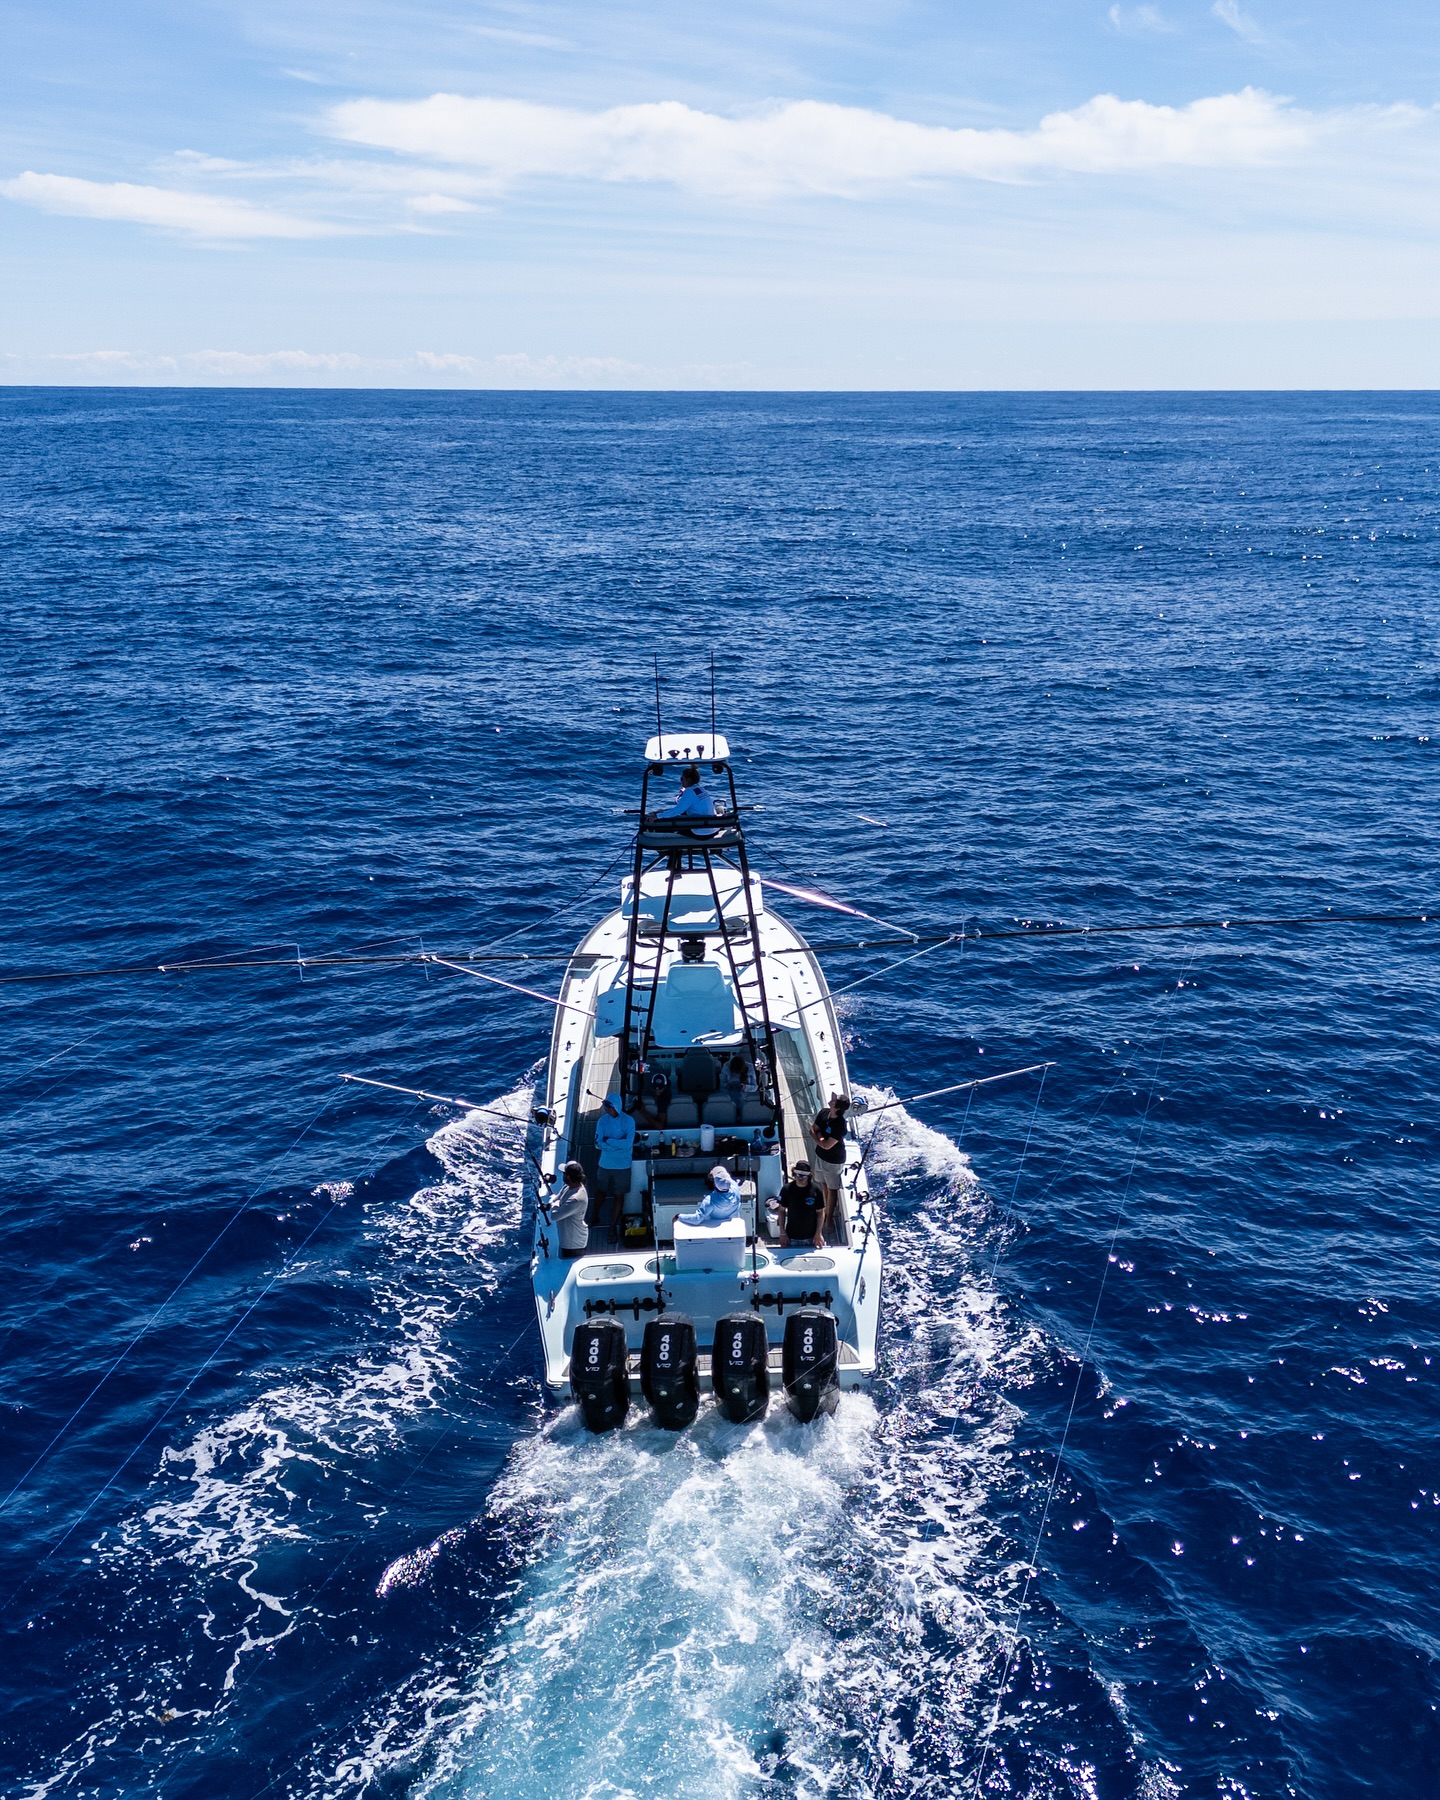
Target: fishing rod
(965, 936)
(445, 1099)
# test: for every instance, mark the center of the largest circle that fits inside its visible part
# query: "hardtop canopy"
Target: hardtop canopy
(687, 747)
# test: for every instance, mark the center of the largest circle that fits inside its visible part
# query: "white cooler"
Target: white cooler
(709, 1247)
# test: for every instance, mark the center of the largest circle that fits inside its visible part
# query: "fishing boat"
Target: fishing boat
(704, 1017)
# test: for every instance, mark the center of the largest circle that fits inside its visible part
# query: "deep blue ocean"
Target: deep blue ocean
(285, 1511)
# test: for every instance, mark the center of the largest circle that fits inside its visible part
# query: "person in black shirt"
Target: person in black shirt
(828, 1132)
(800, 1204)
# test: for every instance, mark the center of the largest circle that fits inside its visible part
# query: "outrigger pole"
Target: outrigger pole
(414, 958)
(958, 1088)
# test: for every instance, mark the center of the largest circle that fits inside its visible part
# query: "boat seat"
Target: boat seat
(698, 1074)
(719, 1109)
(756, 1112)
(682, 1113)
(718, 832)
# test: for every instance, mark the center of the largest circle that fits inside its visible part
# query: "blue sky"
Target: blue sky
(1181, 194)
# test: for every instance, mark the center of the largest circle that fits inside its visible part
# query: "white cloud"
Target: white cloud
(1229, 13)
(532, 40)
(272, 362)
(1139, 21)
(342, 368)
(438, 203)
(809, 147)
(213, 363)
(202, 215)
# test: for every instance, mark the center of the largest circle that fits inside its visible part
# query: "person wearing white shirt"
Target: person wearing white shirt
(568, 1206)
(692, 802)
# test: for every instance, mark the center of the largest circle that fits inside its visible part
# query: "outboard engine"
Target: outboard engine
(600, 1373)
(669, 1371)
(740, 1367)
(809, 1362)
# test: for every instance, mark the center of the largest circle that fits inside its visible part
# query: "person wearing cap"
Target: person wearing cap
(614, 1142)
(569, 1205)
(721, 1199)
(692, 802)
(800, 1205)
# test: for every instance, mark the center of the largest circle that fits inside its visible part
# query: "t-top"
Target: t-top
(825, 1126)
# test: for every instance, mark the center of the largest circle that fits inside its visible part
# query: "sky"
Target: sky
(904, 194)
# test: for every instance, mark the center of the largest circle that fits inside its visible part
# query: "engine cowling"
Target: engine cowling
(600, 1373)
(670, 1370)
(809, 1362)
(740, 1367)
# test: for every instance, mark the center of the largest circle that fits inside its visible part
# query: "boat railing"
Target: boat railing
(720, 831)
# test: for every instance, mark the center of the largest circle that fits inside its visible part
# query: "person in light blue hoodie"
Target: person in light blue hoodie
(614, 1141)
(721, 1201)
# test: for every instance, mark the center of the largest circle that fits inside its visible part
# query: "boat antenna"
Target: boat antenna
(659, 728)
(712, 704)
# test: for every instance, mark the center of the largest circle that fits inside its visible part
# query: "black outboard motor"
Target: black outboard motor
(600, 1373)
(740, 1367)
(669, 1371)
(808, 1362)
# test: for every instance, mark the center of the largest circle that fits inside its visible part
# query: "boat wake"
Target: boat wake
(224, 1559)
(736, 1610)
(727, 1611)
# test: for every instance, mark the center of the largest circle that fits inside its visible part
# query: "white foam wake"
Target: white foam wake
(233, 1504)
(745, 1609)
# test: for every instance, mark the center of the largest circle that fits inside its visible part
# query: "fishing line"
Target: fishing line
(159, 1310)
(35, 1067)
(874, 974)
(1082, 1363)
(965, 1120)
(1015, 1185)
(970, 1097)
(1114, 1088)
(282, 1271)
(416, 1469)
(1032, 932)
(560, 912)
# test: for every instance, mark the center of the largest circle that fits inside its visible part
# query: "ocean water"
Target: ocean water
(1147, 1500)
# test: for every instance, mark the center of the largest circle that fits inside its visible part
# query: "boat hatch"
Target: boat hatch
(692, 901)
(695, 1005)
